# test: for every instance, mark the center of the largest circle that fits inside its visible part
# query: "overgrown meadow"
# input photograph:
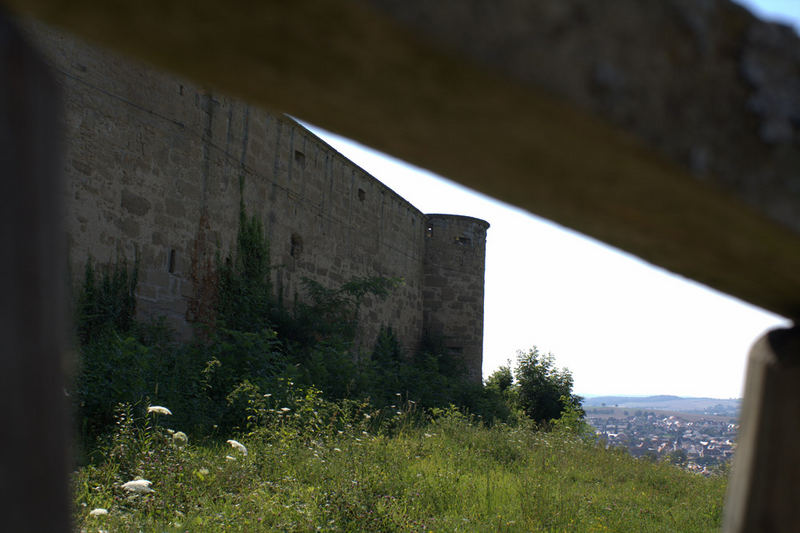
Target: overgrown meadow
(355, 469)
(268, 421)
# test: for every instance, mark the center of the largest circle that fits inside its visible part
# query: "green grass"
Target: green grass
(346, 472)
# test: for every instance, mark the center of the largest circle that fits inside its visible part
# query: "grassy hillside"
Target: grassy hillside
(378, 452)
(318, 467)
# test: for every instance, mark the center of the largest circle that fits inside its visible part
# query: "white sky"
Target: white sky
(620, 325)
(785, 11)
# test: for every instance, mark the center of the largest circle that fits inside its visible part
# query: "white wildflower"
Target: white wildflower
(337, 450)
(98, 512)
(267, 395)
(230, 458)
(159, 410)
(180, 438)
(428, 435)
(285, 409)
(140, 486)
(203, 472)
(238, 446)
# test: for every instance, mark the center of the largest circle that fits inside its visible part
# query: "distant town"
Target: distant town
(698, 434)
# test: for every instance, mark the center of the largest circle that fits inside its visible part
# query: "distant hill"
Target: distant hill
(720, 406)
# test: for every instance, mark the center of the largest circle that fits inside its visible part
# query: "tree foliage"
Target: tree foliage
(543, 391)
(501, 379)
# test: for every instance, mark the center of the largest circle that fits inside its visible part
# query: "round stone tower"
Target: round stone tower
(452, 290)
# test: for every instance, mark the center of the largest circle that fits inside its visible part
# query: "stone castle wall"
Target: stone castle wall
(154, 166)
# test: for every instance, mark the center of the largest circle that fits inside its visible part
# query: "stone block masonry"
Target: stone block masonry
(455, 251)
(154, 166)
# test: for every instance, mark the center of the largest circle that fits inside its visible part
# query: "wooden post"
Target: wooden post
(764, 489)
(34, 447)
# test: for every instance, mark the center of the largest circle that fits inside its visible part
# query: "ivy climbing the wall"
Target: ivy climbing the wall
(244, 295)
(108, 302)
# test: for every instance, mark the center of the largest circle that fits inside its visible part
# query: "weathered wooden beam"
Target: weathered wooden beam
(667, 128)
(34, 449)
(764, 490)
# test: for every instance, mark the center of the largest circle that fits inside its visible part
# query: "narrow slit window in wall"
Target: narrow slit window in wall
(429, 232)
(171, 264)
(361, 194)
(464, 241)
(296, 245)
(300, 158)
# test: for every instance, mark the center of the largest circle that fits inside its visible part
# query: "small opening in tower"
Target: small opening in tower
(180, 90)
(171, 264)
(429, 232)
(300, 158)
(361, 194)
(464, 241)
(296, 246)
